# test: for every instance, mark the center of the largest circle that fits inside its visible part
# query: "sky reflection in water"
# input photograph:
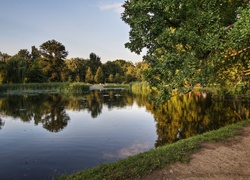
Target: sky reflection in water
(46, 135)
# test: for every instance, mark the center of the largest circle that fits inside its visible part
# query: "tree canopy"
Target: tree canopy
(53, 55)
(190, 41)
(49, 64)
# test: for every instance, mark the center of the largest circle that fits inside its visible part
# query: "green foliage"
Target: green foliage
(55, 87)
(99, 76)
(75, 69)
(188, 41)
(48, 64)
(141, 88)
(78, 87)
(94, 62)
(118, 78)
(35, 53)
(89, 76)
(110, 67)
(140, 69)
(15, 69)
(111, 78)
(35, 74)
(52, 61)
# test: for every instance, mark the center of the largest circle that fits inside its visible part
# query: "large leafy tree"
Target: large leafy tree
(187, 41)
(53, 55)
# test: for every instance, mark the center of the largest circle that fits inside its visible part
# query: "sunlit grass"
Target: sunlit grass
(125, 86)
(64, 87)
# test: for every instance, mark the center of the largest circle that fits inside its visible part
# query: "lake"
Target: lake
(46, 135)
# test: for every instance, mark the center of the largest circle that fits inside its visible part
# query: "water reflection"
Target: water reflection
(128, 151)
(180, 117)
(1, 123)
(195, 113)
(95, 100)
(49, 110)
(104, 126)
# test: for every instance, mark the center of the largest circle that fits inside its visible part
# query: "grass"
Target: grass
(63, 87)
(125, 86)
(145, 163)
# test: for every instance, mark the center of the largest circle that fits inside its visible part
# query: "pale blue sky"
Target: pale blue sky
(82, 26)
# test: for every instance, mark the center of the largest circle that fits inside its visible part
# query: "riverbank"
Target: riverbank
(158, 163)
(215, 160)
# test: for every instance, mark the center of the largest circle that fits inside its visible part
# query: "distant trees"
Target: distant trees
(49, 64)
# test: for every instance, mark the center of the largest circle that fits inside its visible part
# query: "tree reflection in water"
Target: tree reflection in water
(1, 123)
(195, 113)
(95, 101)
(180, 117)
(49, 110)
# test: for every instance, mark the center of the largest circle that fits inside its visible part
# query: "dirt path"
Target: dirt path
(223, 161)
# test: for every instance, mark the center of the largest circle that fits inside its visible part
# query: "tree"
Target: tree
(76, 69)
(238, 50)
(25, 55)
(130, 73)
(94, 62)
(99, 76)
(89, 76)
(4, 57)
(111, 78)
(53, 55)
(117, 78)
(15, 70)
(3, 61)
(186, 40)
(140, 69)
(124, 75)
(111, 67)
(35, 53)
(35, 74)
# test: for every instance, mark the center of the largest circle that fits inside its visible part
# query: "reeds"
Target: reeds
(64, 87)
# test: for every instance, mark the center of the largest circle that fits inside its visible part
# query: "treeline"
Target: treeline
(49, 64)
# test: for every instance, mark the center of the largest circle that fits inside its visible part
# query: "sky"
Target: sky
(82, 26)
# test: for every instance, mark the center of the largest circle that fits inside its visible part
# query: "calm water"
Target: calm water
(43, 136)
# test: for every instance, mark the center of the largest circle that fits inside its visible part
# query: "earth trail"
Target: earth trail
(229, 160)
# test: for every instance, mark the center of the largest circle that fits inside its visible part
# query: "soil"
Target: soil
(228, 160)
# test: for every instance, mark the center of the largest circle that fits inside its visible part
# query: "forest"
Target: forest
(49, 63)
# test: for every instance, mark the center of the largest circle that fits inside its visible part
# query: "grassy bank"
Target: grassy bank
(63, 87)
(159, 158)
(125, 86)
